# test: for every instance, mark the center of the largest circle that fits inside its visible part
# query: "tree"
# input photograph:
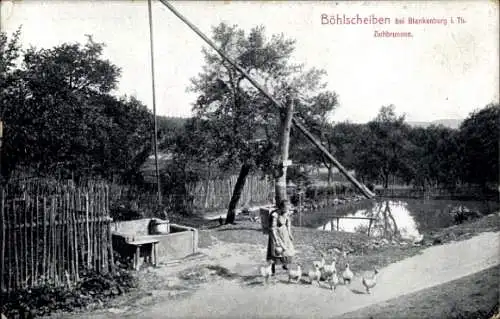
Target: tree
(10, 51)
(385, 153)
(246, 124)
(60, 115)
(317, 119)
(435, 156)
(169, 128)
(479, 136)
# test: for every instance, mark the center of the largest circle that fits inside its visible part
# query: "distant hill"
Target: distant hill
(451, 123)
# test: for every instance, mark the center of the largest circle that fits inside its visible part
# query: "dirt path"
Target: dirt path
(240, 299)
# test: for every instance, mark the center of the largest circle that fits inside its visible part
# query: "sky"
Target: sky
(441, 72)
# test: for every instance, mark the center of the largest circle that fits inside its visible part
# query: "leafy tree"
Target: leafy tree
(60, 115)
(10, 85)
(479, 136)
(244, 123)
(385, 153)
(169, 128)
(344, 140)
(317, 120)
(435, 156)
(127, 142)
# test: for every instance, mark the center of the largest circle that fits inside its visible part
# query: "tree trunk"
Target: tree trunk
(330, 175)
(385, 178)
(285, 126)
(238, 189)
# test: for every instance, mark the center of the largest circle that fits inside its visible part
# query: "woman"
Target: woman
(280, 248)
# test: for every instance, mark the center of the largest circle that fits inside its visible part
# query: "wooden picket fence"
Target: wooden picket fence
(216, 193)
(51, 237)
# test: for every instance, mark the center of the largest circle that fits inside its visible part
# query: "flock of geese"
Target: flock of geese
(322, 270)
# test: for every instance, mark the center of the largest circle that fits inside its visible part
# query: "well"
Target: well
(180, 242)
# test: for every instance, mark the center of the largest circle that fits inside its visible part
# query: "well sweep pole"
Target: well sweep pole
(302, 129)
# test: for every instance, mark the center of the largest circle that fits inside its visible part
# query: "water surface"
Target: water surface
(408, 218)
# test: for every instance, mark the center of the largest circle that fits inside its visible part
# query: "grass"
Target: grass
(475, 296)
(204, 273)
(466, 230)
(310, 243)
(363, 255)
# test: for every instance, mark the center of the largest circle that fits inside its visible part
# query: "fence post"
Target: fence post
(89, 248)
(2, 256)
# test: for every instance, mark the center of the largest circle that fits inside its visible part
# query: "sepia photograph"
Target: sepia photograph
(249, 159)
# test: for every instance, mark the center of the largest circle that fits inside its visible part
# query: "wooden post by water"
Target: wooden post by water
(1, 140)
(2, 255)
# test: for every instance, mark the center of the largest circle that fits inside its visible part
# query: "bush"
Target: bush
(43, 300)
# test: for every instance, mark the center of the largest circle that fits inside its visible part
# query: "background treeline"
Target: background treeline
(388, 151)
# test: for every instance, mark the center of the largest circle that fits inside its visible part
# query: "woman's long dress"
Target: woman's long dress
(280, 237)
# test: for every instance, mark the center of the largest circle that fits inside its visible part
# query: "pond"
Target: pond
(409, 218)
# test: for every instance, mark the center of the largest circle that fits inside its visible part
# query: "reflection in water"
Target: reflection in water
(407, 219)
(392, 219)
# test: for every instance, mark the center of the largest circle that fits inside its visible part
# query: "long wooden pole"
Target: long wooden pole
(2, 253)
(366, 192)
(154, 102)
(1, 141)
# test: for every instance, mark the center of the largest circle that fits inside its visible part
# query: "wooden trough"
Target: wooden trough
(131, 239)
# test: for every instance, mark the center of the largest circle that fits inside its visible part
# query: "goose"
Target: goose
(321, 262)
(315, 274)
(370, 282)
(295, 274)
(333, 280)
(330, 269)
(266, 271)
(347, 275)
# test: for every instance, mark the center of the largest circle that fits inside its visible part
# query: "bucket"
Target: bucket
(159, 227)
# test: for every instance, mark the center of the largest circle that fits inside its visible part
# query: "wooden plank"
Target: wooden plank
(32, 242)
(98, 232)
(87, 228)
(53, 260)
(59, 239)
(37, 238)
(15, 242)
(93, 228)
(110, 241)
(354, 217)
(44, 256)
(25, 241)
(9, 246)
(75, 238)
(66, 237)
(2, 253)
(142, 241)
(104, 234)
